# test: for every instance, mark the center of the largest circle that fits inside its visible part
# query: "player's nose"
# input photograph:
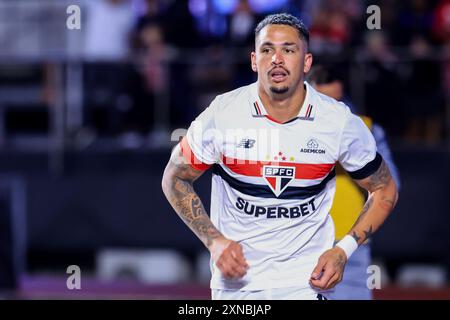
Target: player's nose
(277, 58)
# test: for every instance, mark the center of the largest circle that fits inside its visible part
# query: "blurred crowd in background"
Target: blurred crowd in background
(137, 69)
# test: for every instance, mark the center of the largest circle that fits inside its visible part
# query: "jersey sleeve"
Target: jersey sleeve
(199, 146)
(358, 152)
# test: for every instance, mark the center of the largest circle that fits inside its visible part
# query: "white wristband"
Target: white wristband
(348, 244)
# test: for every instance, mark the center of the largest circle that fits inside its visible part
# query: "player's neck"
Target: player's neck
(283, 108)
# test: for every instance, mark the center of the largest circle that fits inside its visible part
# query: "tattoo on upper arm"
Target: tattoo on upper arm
(380, 178)
(183, 170)
(197, 207)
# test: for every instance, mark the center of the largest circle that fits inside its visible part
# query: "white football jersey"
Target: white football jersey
(273, 183)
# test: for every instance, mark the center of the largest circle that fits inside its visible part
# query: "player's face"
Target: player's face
(280, 59)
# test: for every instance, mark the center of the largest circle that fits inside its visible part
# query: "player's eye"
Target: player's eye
(265, 50)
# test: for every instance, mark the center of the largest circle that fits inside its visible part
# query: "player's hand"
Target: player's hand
(228, 257)
(329, 269)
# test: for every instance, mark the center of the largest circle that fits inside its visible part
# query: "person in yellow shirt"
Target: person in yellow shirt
(349, 198)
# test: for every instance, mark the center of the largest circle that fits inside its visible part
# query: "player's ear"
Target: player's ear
(253, 61)
(308, 62)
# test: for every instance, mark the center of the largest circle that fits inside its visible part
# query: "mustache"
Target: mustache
(278, 67)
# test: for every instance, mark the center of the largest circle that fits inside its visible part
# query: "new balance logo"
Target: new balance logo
(246, 143)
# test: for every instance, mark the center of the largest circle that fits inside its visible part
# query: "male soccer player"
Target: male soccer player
(273, 146)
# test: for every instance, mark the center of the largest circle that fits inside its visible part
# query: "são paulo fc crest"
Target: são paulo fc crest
(278, 177)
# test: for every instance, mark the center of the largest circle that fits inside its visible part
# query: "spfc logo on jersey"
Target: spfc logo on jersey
(278, 178)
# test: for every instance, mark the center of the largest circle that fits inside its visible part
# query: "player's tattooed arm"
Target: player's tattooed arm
(177, 185)
(382, 199)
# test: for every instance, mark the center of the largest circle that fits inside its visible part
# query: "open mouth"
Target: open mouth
(278, 75)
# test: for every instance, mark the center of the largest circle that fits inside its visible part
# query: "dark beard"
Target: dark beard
(279, 90)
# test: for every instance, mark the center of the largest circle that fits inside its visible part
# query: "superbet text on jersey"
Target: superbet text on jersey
(273, 183)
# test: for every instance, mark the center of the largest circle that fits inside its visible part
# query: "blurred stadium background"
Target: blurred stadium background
(86, 122)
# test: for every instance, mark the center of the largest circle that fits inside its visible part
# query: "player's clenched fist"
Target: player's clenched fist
(329, 269)
(228, 257)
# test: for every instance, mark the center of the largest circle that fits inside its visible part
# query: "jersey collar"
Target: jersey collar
(257, 106)
(307, 111)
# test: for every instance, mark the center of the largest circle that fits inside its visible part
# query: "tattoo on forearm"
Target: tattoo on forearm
(205, 228)
(368, 233)
(380, 178)
(376, 181)
(355, 236)
(188, 205)
(366, 208)
(364, 211)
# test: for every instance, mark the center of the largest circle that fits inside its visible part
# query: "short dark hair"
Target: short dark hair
(284, 19)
